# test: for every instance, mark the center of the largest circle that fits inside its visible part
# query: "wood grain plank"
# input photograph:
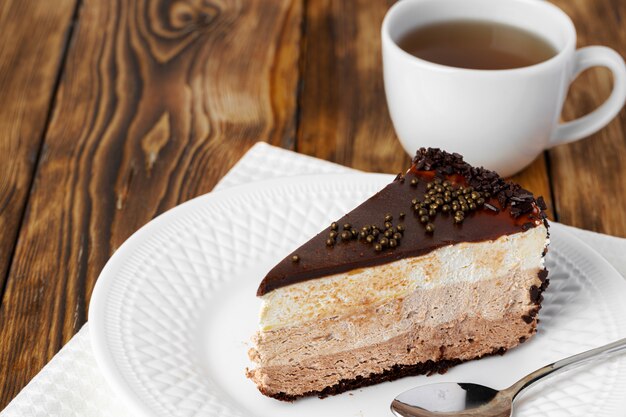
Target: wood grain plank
(34, 37)
(344, 115)
(158, 100)
(588, 176)
(343, 110)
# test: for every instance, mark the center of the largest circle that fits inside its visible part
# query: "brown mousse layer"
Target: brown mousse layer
(436, 355)
(396, 372)
(505, 209)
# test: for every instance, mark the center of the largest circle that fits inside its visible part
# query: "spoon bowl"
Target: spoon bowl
(452, 399)
(456, 399)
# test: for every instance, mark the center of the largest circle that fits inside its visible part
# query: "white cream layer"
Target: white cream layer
(348, 292)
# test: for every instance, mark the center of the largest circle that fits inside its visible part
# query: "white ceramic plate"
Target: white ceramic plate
(174, 308)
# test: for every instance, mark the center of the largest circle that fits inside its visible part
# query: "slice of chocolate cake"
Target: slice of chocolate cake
(442, 266)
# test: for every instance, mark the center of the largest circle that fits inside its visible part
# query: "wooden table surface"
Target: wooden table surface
(113, 112)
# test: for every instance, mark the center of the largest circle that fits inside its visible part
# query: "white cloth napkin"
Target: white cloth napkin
(72, 385)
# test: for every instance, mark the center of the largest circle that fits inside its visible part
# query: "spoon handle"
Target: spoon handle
(601, 352)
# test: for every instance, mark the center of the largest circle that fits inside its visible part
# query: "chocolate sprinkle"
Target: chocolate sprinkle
(492, 208)
(535, 294)
(527, 319)
(481, 179)
(541, 203)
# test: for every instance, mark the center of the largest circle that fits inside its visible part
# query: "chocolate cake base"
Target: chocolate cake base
(396, 372)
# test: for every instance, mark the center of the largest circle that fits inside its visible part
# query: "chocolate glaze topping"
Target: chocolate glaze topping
(509, 209)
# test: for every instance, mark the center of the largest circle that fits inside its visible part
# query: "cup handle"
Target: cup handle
(585, 58)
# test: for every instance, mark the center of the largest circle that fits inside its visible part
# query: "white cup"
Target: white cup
(499, 119)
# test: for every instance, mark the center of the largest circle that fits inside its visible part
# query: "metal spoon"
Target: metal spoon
(453, 399)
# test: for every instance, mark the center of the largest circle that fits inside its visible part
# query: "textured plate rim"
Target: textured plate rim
(105, 358)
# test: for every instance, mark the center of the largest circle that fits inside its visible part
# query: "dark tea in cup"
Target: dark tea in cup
(477, 44)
